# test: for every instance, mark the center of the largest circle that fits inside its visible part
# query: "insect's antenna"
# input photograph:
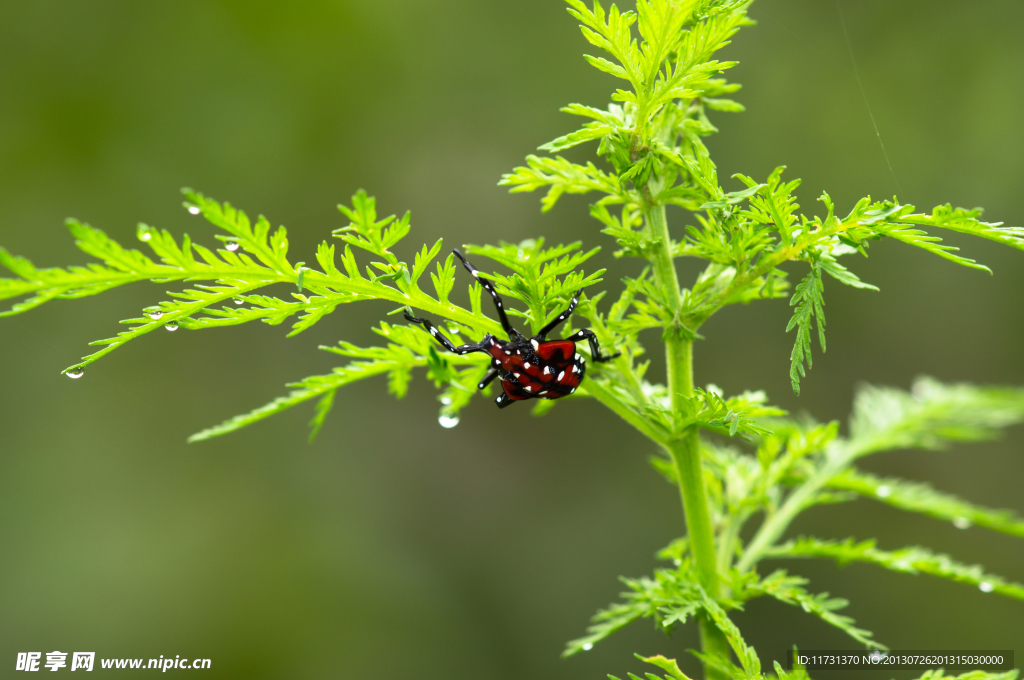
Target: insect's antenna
(489, 287)
(561, 317)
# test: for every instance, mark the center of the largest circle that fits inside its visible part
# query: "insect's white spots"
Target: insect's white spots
(496, 363)
(986, 587)
(518, 375)
(527, 365)
(576, 357)
(547, 370)
(536, 345)
(561, 375)
(542, 392)
(528, 388)
(883, 491)
(572, 390)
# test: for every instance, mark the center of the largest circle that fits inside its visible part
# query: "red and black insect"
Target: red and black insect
(530, 368)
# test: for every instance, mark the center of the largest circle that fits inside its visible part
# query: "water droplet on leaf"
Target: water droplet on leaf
(155, 316)
(962, 523)
(883, 491)
(587, 646)
(448, 421)
(145, 234)
(195, 209)
(239, 301)
(75, 373)
(231, 245)
(986, 587)
(172, 326)
(446, 400)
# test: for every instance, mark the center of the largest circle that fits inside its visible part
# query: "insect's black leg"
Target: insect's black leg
(503, 400)
(489, 287)
(595, 349)
(487, 379)
(440, 337)
(560, 318)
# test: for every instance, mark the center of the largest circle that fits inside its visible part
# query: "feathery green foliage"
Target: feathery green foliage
(754, 465)
(908, 560)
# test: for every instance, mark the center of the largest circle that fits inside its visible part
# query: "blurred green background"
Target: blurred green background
(393, 548)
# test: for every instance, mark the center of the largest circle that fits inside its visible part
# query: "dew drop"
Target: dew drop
(231, 246)
(883, 491)
(587, 646)
(962, 523)
(155, 316)
(194, 209)
(447, 421)
(172, 326)
(446, 400)
(75, 373)
(239, 301)
(986, 587)
(145, 234)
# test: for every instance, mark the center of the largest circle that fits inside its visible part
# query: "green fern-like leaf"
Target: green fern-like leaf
(809, 303)
(931, 415)
(789, 589)
(912, 560)
(922, 498)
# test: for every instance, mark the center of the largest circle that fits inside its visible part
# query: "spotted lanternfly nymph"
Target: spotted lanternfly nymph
(529, 368)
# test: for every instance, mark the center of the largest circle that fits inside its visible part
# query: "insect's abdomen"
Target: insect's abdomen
(554, 371)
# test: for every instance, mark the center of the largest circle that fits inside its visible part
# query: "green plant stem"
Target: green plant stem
(773, 527)
(599, 391)
(678, 349)
(685, 449)
(685, 453)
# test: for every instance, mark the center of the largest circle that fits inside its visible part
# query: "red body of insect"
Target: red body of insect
(546, 369)
(529, 368)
